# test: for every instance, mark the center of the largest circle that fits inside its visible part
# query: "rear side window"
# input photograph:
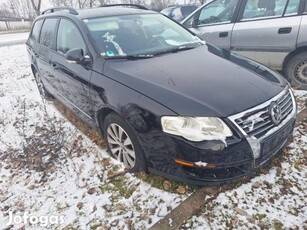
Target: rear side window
(292, 7)
(69, 37)
(36, 28)
(257, 9)
(47, 32)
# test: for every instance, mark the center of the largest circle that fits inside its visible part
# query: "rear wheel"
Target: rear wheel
(123, 144)
(41, 88)
(296, 71)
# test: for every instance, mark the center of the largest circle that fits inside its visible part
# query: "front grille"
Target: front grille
(258, 123)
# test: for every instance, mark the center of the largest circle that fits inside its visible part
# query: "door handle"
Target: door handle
(285, 30)
(223, 34)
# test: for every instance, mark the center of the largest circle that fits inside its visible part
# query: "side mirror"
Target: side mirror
(194, 23)
(75, 56)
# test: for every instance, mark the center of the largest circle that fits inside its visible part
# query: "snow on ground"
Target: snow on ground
(53, 165)
(15, 38)
(301, 98)
(48, 167)
(275, 199)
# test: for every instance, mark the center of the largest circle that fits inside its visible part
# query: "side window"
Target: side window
(36, 29)
(187, 10)
(255, 9)
(292, 8)
(46, 37)
(177, 14)
(69, 37)
(219, 11)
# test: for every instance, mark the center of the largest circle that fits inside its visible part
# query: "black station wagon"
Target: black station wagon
(165, 101)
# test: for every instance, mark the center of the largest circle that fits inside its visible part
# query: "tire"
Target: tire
(123, 144)
(296, 71)
(41, 88)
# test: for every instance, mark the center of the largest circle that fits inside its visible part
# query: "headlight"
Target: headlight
(196, 128)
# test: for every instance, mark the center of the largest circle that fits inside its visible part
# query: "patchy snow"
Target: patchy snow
(252, 120)
(15, 38)
(301, 99)
(49, 167)
(276, 199)
(201, 164)
(52, 165)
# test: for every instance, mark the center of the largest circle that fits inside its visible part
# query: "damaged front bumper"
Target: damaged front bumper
(201, 165)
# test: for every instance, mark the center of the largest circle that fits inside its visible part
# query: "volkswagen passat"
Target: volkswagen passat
(163, 100)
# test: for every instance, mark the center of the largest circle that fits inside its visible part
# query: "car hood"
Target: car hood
(204, 81)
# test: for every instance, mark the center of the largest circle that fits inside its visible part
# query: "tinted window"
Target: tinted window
(217, 11)
(69, 37)
(47, 32)
(36, 29)
(167, 11)
(187, 10)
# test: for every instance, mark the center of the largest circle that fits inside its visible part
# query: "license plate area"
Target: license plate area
(272, 144)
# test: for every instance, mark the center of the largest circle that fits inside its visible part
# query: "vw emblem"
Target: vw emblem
(275, 113)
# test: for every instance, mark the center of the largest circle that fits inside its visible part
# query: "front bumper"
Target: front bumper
(240, 159)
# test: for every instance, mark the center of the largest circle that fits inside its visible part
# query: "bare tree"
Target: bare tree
(18, 9)
(60, 2)
(160, 4)
(76, 3)
(5, 10)
(139, 2)
(36, 4)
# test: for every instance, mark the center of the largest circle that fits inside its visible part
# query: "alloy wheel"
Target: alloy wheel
(121, 145)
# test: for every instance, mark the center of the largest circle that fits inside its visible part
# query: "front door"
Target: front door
(73, 78)
(214, 22)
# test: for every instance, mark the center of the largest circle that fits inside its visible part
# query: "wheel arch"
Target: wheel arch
(293, 54)
(101, 116)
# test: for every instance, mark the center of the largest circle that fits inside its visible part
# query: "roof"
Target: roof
(110, 11)
(100, 12)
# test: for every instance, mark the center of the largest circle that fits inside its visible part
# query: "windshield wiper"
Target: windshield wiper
(130, 57)
(175, 50)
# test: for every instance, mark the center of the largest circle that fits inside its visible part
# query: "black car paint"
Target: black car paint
(142, 91)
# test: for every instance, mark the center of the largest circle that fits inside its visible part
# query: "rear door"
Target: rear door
(44, 52)
(267, 30)
(33, 41)
(214, 22)
(73, 78)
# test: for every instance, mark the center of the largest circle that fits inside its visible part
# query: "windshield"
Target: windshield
(139, 35)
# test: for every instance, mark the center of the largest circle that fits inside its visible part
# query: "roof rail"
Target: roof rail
(127, 5)
(59, 8)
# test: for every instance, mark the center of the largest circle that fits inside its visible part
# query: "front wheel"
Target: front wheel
(123, 144)
(296, 71)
